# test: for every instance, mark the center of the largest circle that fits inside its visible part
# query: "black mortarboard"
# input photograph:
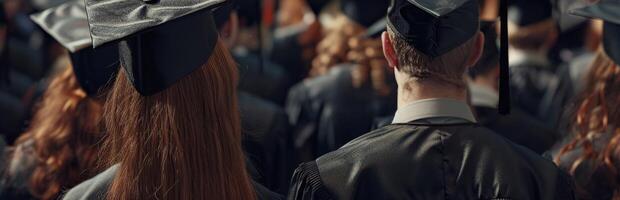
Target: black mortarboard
(222, 13)
(364, 12)
(375, 30)
(434, 27)
(526, 12)
(317, 5)
(160, 41)
(67, 23)
(609, 12)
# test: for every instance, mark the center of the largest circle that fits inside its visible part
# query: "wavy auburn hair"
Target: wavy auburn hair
(597, 113)
(66, 130)
(181, 143)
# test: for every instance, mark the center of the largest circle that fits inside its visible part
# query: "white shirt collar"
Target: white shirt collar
(482, 95)
(434, 108)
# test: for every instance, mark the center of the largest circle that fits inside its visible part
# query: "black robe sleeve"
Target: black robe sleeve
(306, 184)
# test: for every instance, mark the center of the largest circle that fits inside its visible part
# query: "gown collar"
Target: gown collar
(435, 111)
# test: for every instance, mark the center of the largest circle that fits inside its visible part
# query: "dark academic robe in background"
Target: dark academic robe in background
(271, 82)
(267, 142)
(518, 126)
(541, 90)
(433, 157)
(328, 111)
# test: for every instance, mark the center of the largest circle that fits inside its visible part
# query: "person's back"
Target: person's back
(424, 161)
(434, 148)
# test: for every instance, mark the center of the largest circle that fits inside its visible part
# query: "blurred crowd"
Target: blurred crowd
(312, 76)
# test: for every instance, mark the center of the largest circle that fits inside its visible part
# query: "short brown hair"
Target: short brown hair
(448, 68)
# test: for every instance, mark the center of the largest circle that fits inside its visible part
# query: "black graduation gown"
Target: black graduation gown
(97, 187)
(541, 91)
(17, 165)
(286, 51)
(266, 136)
(593, 180)
(270, 82)
(328, 111)
(518, 127)
(409, 161)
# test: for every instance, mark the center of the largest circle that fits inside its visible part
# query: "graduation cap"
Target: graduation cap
(68, 25)
(222, 13)
(609, 12)
(527, 12)
(317, 5)
(434, 27)
(160, 41)
(364, 12)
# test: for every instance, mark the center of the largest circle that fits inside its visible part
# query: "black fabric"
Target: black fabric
(611, 41)
(540, 90)
(527, 12)
(266, 141)
(364, 12)
(160, 41)
(519, 128)
(95, 69)
(408, 161)
(271, 82)
(286, 51)
(434, 27)
(328, 111)
(317, 5)
(308, 183)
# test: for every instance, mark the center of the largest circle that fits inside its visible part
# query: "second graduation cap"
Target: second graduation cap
(609, 12)
(160, 41)
(68, 25)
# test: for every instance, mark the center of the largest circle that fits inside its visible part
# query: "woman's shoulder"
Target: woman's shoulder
(94, 188)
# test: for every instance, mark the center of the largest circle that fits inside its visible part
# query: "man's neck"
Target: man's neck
(412, 92)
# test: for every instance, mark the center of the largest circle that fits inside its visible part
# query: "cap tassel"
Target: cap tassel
(504, 71)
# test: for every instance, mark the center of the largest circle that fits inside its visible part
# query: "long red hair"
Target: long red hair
(598, 113)
(65, 129)
(182, 143)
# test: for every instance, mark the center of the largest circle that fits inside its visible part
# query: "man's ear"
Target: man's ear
(477, 49)
(388, 50)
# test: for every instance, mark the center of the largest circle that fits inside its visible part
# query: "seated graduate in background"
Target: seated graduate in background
(264, 125)
(434, 149)
(518, 126)
(59, 148)
(296, 36)
(266, 80)
(172, 119)
(349, 84)
(592, 153)
(536, 83)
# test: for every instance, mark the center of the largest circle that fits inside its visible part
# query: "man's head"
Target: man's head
(448, 69)
(432, 43)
